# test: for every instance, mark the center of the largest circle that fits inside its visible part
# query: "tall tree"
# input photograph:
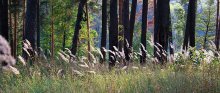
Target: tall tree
(15, 15)
(104, 29)
(144, 32)
(78, 26)
(162, 30)
(31, 22)
(113, 31)
(127, 33)
(38, 23)
(189, 37)
(132, 20)
(52, 31)
(4, 18)
(217, 27)
(121, 31)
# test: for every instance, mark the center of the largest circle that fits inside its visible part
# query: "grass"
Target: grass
(169, 79)
(197, 71)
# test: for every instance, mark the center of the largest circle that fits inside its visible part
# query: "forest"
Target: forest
(109, 46)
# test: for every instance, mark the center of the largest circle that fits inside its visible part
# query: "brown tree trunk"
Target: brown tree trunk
(88, 31)
(217, 28)
(121, 31)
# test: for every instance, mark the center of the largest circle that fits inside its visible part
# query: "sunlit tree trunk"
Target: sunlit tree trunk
(88, 31)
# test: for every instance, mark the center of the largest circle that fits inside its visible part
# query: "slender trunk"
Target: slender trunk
(64, 38)
(15, 31)
(113, 31)
(11, 32)
(104, 29)
(217, 31)
(127, 33)
(4, 19)
(206, 35)
(121, 31)
(132, 20)
(144, 32)
(38, 24)
(88, 31)
(52, 32)
(78, 26)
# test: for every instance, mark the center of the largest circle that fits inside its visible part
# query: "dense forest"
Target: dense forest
(139, 40)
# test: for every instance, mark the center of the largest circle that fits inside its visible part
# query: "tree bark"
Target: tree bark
(113, 31)
(38, 23)
(104, 30)
(217, 29)
(121, 29)
(144, 32)
(163, 30)
(31, 24)
(127, 33)
(132, 20)
(4, 19)
(78, 26)
(190, 25)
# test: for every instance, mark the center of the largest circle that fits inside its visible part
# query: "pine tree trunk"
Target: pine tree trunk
(104, 29)
(38, 24)
(4, 19)
(162, 29)
(132, 20)
(31, 24)
(113, 31)
(190, 25)
(144, 32)
(78, 26)
(121, 29)
(217, 29)
(127, 33)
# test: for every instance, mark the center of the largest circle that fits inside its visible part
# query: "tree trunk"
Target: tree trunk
(127, 33)
(38, 23)
(78, 26)
(113, 31)
(31, 23)
(4, 19)
(162, 29)
(121, 31)
(88, 31)
(52, 32)
(144, 32)
(190, 25)
(132, 20)
(217, 31)
(104, 29)
(206, 35)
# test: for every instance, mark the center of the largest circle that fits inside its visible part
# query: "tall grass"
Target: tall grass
(193, 71)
